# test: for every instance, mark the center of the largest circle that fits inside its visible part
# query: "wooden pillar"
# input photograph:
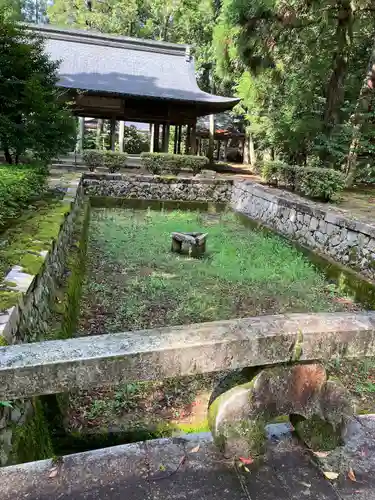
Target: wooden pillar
(179, 139)
(251, 150)
(152, 135)
(193, 139)
(175, 141)
(156, 137)
(225, 149)
(113, 134)
(165, 138)
(121, 133)
(211, 139)
(218, 151)
(99, 131)
(81, 134)
(188, 140)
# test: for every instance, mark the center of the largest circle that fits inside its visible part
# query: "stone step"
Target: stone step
(187, 467)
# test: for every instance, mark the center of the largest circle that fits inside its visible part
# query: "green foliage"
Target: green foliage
(271, 171)
(135, 142)
(18, 186)
(298, 68)
(314, 182)
(32, 116)
(321, 183)
(112, 160)
(93, 159)
(158, 163)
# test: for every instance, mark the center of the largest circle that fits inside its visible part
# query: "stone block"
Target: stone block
(237, 417)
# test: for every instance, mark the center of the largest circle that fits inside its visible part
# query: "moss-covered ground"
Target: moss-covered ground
(133, 281)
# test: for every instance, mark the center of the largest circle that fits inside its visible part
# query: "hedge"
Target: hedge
(158, 163)
(19, 185)
(112, 160)
(314, 182)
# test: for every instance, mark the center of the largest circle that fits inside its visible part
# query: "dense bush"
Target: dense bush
(315, 182)
(271, 171)
(18, 186)
(110, 159)
(158, 163)
(322, 183)
(92, 158)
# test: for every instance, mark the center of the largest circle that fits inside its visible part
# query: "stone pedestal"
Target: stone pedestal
(193, 243)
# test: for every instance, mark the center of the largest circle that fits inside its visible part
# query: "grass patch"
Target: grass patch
(135, 282)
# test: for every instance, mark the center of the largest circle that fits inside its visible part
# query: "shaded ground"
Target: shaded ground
(360, 202)
(133, 281)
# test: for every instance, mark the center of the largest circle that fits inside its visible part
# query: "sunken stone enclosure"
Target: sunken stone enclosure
(321, 229)
(62, 365)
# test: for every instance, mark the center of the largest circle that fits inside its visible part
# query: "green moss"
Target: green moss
(297, 351)
(318, 434)
(31, 441)
(3, 341)
(33, 233)
(31, 263)
(8, 299)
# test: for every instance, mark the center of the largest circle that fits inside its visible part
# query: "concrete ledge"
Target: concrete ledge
(83, 363)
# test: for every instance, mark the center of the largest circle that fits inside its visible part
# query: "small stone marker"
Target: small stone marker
(195, 243)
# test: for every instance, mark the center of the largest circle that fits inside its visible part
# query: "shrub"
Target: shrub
(18, 186)
(271, 171)
(321, 183)
(158, 163)
(288, 175)
(92, 158)
(113, 160)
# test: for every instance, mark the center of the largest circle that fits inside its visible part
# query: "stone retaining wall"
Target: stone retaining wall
(148, 187)
(23, 431)
(320, 227)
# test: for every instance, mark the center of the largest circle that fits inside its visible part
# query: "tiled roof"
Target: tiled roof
(127, 66)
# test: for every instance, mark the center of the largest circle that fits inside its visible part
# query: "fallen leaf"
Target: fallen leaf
(196, 449)
(351, 475)
(331, 475)
(162, 467)
(246, 469)
(53, 472)
(321, 454)
(247, 461)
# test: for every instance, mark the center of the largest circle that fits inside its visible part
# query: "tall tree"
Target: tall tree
(32, 116)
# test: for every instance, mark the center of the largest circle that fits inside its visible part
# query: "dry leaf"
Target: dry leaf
(246, 469)
(196, 449)
(331, 475)
(321, 454)
(351, 475)
(53, 472)
(247, 461)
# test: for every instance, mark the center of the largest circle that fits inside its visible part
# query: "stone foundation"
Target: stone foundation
(147, 187)
(320, 227)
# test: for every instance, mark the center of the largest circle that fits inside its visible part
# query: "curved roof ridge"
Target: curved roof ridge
(110, 40)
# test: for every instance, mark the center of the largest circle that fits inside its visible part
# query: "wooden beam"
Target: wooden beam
(156, 137)
(193, 139)
(165, 140)
(188, 140)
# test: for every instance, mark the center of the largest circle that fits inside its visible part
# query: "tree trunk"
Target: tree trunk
(8, 156)
(335, 87)
(357, 119)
